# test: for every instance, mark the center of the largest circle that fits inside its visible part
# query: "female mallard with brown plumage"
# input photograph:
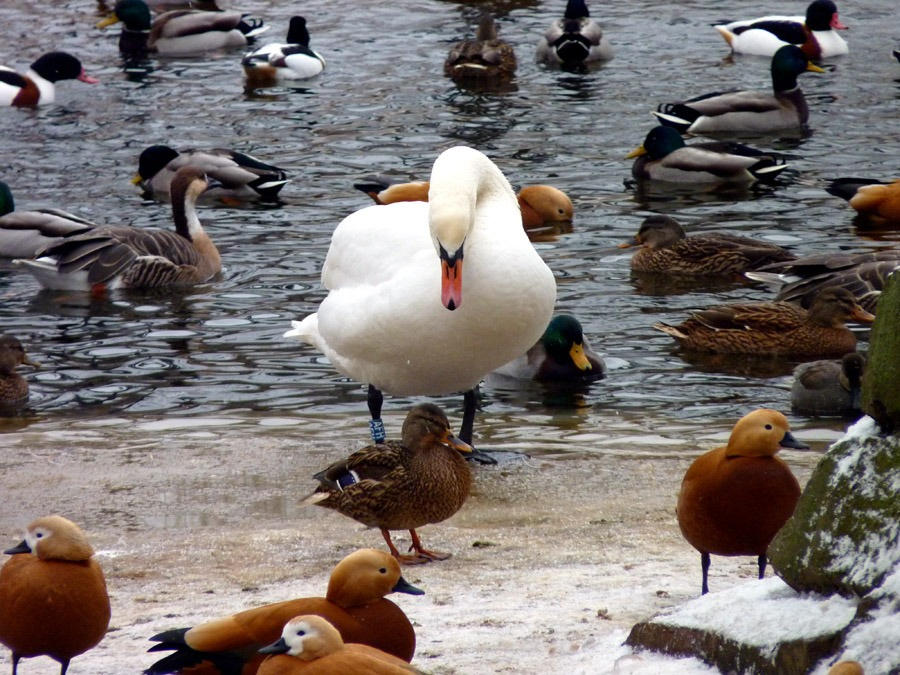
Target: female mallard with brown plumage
(801, 280)
(774, 328)
(422, 479)
(665, 248)
(13, 387)
(487, 58)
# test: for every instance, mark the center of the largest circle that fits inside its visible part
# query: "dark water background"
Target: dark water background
(215, 357)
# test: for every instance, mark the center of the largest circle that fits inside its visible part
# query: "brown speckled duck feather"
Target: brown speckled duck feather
(863, 274)
(401, 486)
(665, 248)
(774, 328)
(13, 387)
(486, 58)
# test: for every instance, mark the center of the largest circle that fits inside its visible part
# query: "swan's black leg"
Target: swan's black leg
(375, 399)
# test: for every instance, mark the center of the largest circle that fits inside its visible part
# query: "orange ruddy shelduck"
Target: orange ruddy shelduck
(310, 645)
(541, 205)
(734, 499)
(53, 599)
(354, 604)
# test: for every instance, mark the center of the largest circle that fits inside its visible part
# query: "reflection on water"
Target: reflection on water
(215, 354)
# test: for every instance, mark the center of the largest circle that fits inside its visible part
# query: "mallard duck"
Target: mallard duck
(161, 6)
(53, 599)
(238, 175)
(278, 61)
(24, 233)
(422, 479)
(541, 205)
(562, 354)
(180, 32)
(310, 643)
(815, 33)
(13, 387)
(114, 257)
(734, 499)
(665, 157)
(876, 202)
(665, 248)
(829, 388)
(774, 328)
(487, 58)
(801, 280)
(38, 84)
(402, 316)
(750, 111)
(355, 604)
(574, 40)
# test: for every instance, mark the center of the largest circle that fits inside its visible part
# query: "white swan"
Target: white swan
(427, 298)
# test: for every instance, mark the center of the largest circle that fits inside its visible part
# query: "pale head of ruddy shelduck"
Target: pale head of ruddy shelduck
(307, 637)
(760, 433)
(57, 538)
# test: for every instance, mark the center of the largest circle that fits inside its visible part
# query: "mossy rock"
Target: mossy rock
(844, 536)
(881, 382)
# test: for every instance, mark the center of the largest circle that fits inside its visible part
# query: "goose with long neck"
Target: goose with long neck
(427, 298)
(113, 257)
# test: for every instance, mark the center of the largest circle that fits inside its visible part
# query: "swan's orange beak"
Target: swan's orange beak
(451, 279)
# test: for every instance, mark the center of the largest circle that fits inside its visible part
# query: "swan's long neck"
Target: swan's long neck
(462, 181)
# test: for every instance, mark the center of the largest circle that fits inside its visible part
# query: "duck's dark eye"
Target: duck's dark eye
(383, 570)
(301, 633)
(769, 426)
(38, 535)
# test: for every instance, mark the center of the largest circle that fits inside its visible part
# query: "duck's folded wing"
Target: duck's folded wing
(759, 316)
(694, 158)
(184, 22)
(721, 103)
(786, 29)
(24, 233)
(107, 252)
(865, 280)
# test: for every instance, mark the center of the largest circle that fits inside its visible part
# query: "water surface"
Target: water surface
(215, 357)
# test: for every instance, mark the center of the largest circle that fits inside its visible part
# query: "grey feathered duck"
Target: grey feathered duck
(115, 257)
(180, 32)
(574, 40)
(238, 176)
(748, 111)
(664, 157)
(24, 233)
(829, 388)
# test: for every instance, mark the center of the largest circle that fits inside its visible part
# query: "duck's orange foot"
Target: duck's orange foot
(412, 559)
(431, 555)
(424, 552)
